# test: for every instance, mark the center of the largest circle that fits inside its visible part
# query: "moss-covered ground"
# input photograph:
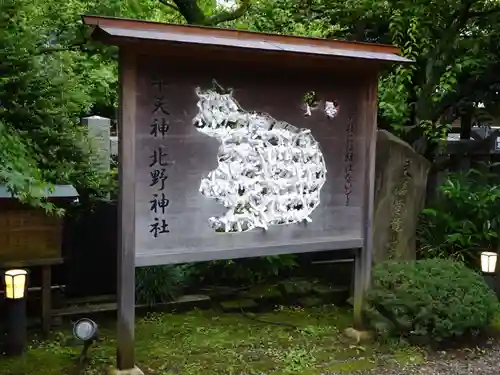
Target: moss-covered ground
(286, 341)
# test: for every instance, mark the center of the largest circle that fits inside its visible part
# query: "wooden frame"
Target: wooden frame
(273, 60)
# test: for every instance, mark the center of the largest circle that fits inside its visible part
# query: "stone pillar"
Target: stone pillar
(99, 132)
(401, 180)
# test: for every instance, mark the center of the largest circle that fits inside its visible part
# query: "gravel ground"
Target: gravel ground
(464, 362)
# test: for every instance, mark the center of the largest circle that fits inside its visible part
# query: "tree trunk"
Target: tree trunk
(190, 11)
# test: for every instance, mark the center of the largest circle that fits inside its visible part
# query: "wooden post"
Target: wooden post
(363, 257)
(358, 289)
(369, 101)
(465, 135)
(126, 214)
(46, 300)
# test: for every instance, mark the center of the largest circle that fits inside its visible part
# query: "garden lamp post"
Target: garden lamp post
(488, 267)
(15, 295)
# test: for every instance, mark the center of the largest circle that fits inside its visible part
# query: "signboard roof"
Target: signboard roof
(123, 31)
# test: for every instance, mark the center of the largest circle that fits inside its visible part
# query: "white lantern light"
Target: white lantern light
(15, 283)
(488, 261)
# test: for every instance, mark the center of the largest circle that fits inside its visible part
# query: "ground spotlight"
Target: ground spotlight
(87, 331)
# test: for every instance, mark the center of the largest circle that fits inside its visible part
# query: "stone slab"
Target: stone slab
(359, 336)
(133, 371)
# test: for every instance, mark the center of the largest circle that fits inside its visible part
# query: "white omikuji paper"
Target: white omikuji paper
(269, 172)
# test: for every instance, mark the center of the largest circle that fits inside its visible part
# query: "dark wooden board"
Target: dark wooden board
(336, 222)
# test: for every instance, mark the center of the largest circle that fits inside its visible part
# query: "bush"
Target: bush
(158, 284)
(463, 219)
(429, 300)
(245, 271)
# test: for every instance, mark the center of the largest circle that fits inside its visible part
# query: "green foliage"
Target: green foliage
(18, 170)
(159, 284)
(463, 220)
(454, 45)
(290, 18)
(42, 96)
(51, 76)
(219, 344)
(432, 299)
(245, 271)
(454, 48)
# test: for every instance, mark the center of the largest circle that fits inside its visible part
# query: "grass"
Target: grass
(302, 341)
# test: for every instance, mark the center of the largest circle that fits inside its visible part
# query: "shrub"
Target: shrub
(463, 219)
(159, 284)
(431, 300)
(245, 271)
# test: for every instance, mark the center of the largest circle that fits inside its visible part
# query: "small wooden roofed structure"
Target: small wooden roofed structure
(29, 237)
(59, 191)
(267, 74)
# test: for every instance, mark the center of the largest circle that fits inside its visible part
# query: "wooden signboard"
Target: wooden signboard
(236, 144)
(173, 157)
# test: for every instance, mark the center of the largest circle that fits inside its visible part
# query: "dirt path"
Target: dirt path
(464, 362)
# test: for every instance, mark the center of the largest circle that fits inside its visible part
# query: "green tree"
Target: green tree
(455, 48)
(43, 92)
(454, 43)
(51, 76)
